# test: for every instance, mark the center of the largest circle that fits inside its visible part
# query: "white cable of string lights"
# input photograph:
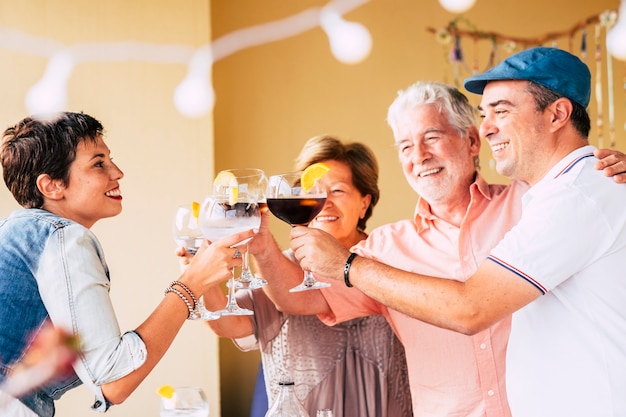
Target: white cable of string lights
(194, 97)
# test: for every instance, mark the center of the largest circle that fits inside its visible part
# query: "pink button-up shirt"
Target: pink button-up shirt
(451, 374)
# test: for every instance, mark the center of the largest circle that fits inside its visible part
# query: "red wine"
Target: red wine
(296, 210)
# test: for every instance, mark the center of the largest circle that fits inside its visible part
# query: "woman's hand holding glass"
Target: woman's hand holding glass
(211, 265)
(235, 205)
(251, 186)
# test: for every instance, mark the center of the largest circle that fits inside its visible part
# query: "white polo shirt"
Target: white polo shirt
(567, 351)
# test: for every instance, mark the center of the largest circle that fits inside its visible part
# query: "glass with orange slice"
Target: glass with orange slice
(296, 198)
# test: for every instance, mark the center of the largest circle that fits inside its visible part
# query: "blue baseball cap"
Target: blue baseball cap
(552, 68)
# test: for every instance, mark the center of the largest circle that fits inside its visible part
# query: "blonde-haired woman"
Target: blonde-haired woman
(356, 368)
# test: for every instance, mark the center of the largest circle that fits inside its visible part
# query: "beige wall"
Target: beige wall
(271, 98)
(167, 159)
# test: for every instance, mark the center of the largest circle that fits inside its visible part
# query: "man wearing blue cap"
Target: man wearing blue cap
(559, 271)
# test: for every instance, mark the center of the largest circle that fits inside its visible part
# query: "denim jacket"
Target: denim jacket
(53, 267)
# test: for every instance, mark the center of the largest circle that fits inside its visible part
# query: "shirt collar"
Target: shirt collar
(423, 216)
(559, 169)
(565, 164)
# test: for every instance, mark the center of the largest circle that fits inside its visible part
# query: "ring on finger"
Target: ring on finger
(237, 254)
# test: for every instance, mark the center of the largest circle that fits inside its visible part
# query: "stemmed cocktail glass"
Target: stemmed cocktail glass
(293, 204)
(254, 185)
(186, 228)
(234, 207)
(187, 233)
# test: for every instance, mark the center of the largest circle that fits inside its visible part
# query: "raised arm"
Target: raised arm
(282, 274)
(211, 264)
(214, 299)
(467, 307)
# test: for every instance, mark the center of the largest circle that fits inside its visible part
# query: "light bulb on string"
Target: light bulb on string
(350, 42)
(49, 95)
(616, 36)
(457, 6)
(194, 97)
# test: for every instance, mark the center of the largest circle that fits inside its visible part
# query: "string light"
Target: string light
(616, 37)
(49, 95)
(350, 42)
(194, 97)
(457, 6)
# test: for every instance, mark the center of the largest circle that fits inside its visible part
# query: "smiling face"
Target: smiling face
(514, 128)
(437, 162)
(92, 191)
(344, 205)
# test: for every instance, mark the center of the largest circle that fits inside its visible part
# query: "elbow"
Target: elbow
(114, 396)
(469, 323)
(231, 327)
(295, 305)
(467, 315)
(290, 308)
(218, 330)
(468, 329)
(117, 401)
(308, 307)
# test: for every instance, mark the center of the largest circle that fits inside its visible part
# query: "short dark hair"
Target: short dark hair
(544, 97)
(43, 145)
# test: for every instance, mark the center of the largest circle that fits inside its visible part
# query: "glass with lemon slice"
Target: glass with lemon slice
(296, 198)
(187, 234)
(234, 207)
(186, 227)
(227, 182)
(183, 401)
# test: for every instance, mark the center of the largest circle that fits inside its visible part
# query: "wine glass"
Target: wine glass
(187, 233)
(290, 203)
(234, 208)
(186, 227)
(253, 183)
(185, 401)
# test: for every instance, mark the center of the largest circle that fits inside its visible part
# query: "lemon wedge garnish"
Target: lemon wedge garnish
(166, 391)
(195, 209)
(233, 195)
(226, 183)
(312, 174)
(224, 180)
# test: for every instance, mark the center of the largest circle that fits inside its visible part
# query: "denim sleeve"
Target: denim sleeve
(73, 281)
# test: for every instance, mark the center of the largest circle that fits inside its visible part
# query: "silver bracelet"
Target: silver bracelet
(186, 288)
(182, 297)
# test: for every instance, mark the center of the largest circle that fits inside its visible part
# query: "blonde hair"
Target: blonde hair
(355, 155)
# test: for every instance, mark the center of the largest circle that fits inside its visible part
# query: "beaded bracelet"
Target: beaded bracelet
(184, 287)
(182, 297)
(346, 270)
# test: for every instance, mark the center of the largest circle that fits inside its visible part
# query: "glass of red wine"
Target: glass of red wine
(287, 200)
